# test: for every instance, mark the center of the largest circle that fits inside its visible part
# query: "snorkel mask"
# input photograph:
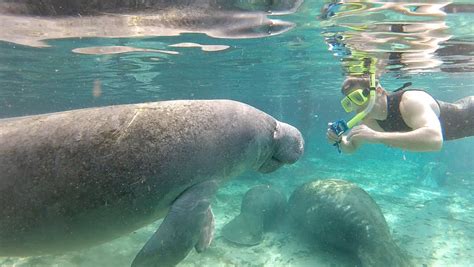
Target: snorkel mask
(356, 98)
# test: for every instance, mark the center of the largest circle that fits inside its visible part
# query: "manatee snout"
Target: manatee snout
(288, 148)
(290, 143)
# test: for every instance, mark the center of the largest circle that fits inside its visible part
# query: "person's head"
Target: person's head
(357, 92)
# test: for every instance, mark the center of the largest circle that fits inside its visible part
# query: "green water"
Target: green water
(296, 78)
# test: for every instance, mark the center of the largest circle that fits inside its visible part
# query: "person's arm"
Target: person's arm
(426, 136)
(419, 140)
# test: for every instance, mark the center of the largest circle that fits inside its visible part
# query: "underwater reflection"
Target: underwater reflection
(31, 22)
(108, 50)
(402, 36)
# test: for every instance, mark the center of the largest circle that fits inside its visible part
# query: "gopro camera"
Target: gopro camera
(339, 127)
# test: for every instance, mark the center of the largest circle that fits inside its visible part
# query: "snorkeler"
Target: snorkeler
(407, 119)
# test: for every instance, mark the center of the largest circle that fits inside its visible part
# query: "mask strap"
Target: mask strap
(373, 84)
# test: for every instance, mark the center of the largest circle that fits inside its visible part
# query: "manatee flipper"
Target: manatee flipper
(207, 233)
(188, 219)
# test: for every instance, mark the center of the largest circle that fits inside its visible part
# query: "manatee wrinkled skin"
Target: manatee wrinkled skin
(78, 178)
(263, 208)
(338, 214)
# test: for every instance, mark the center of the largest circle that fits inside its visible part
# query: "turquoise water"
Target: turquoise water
(295, 76)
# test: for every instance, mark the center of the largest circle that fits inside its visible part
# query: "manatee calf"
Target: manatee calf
(339, 214)
(262, 208)
(78, 178)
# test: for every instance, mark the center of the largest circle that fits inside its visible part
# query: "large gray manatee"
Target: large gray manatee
(339, 214)
(78, 178)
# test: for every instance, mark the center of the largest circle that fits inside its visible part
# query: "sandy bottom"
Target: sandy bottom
(433, 225)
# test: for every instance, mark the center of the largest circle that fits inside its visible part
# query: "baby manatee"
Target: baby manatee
(262, 209)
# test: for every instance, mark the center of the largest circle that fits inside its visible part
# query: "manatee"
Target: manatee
(75, 179)
(262, 209)
(29, 22)
(339, 215)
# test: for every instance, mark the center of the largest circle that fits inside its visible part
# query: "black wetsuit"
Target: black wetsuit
(457, 119)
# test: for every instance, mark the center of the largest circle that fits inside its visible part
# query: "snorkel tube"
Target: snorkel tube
(361, 115)
(339, 127)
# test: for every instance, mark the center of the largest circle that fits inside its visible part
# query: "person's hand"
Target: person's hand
(332, 136)
(362, 134)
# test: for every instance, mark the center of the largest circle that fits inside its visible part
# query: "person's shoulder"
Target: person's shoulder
(416, 93)
(416, 102)
(416, 97)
